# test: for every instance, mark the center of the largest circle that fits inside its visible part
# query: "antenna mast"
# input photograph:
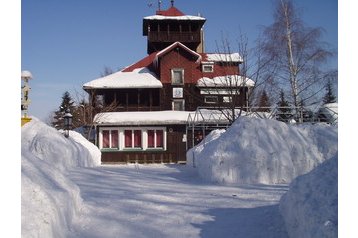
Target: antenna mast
(172, 2)
(159, 4)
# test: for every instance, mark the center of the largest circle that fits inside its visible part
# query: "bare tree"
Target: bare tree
(296, 54)
(241, 80)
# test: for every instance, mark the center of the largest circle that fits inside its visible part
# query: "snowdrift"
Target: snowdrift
(49, 200)
(262, 151)
(310, 207)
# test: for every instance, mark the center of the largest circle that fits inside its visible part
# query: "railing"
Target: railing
(173, 36)
(222, 116)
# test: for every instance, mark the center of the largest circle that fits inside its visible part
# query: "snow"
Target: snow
(49, 199)
(66, 193)
(219, 57)
(330, 111)
(142, 118)
(262, 151)
(25, 74)
(178, 18)
(310, 207)
(138, 78)
(225, 81)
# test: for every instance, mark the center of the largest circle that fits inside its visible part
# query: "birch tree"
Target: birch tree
(297, 54)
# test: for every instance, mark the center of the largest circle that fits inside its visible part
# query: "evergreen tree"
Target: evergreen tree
(329, 97)
(67, 103)
(264, 102)
(284, 111)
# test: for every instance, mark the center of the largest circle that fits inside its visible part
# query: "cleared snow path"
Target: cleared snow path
(171, 201)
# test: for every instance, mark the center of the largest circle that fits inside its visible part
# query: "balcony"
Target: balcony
(174, 36)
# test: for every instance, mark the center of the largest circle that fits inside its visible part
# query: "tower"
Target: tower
(171, 25)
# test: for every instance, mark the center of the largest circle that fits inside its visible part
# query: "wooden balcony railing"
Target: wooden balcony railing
(174, 36)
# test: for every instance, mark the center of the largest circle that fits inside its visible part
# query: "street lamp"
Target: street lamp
(67, 118)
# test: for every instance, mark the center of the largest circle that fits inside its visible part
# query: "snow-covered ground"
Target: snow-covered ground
(66, 193)
(170, 201)
(310, 207)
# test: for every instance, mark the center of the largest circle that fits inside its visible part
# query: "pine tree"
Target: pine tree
(329, 97)
(67, 103)
(284, 111)
(264, 102)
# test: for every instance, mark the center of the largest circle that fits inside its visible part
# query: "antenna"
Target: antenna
(159, 4)
(172, 2)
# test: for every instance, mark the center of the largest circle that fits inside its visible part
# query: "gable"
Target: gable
(175, 46)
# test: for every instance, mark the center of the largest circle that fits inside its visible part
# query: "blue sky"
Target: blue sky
(68, 43)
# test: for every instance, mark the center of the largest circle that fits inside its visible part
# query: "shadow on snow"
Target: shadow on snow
(265, 222)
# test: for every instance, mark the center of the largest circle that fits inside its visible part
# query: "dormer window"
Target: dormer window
(207, 67)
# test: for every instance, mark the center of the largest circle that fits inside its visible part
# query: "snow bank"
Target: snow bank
(264, 151)
(49, 200)
(310, 207)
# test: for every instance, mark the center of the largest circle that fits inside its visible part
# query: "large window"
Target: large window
(133, 139)
(136, 138)
(110, 139)
(155, 139)
(177, 76)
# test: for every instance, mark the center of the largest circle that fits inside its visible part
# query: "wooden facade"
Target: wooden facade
(174, 153)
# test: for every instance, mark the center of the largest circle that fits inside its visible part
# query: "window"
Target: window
(155, 139)
(177, 76)
(211, 99)
(178, 105)
(208, 68)
(110, 139)
(227, 99)
(133, 139)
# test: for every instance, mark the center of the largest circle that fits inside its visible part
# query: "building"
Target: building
(151, 100)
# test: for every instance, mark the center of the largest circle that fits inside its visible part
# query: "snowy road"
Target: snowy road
(170, 201)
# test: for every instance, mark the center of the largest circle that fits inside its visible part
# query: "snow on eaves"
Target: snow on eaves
(142, 118)
(178, 18)
(221, 57)
(225, 81)
(138, 78)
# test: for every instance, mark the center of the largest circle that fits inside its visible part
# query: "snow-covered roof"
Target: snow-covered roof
(172, 13)
(225, 81)
(222, 57)
(179, 18)
(142, 118)
(138, 78)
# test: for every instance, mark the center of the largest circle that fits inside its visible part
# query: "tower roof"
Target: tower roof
(173, 11)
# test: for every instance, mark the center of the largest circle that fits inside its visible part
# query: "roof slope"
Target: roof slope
(138, 78)
(140, 74)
